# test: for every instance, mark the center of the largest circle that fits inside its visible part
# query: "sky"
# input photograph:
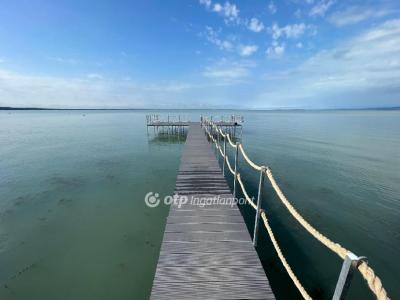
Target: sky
(258, 54)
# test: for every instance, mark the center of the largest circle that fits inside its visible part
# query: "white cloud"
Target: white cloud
(295, 30)
(255, 25)
(228, 72)
(364, 70)
(276, 31)
(94, 76)
(276, 50)
(217, 7)
(66, 60)
(229, 11)
(321, 8)
(29, 90)
(290, 31)
(213, 37)
(356, 14)
(24, 90)
(247, 50)
(206, 3)
(272, 7)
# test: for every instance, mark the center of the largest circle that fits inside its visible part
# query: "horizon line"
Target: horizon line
(232, 109)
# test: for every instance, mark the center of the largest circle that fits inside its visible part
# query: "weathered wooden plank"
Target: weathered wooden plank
(196, 236)
(209, 259)
(218, 290)
(192, 274)
(230, 247)
(202, 212)
(210, 227)
(180, 219)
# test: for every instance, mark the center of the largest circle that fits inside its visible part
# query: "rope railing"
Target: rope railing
(351, 261)
(248, 160)
(229, 166)
(239, 179)
(335, 247)
(289, 270)
(230, 141)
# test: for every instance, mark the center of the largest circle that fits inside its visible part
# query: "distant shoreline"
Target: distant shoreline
(202, 109)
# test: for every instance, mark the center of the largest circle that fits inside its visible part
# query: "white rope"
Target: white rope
(230, 142)
(239, 179)
(278, 250)
(248, 160)
(229, 166)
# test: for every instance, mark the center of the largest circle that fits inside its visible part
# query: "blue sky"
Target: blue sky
(200, 54)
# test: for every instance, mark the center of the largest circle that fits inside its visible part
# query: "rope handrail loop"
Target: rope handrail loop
(230, 141)
(220, 151)
(248, 160)
(247, 197)
(222, 134)
(282, 258)
(229, 166)
(335, 247)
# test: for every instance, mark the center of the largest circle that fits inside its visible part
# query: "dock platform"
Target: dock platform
(207, 252)
(183, 123)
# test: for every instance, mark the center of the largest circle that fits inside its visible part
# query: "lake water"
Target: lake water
(73, 223)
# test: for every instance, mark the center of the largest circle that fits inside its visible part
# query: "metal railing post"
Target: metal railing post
(259, 199)
(223, 165)
(346, 274)
(236, 167)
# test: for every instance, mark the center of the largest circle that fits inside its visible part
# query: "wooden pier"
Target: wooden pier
(180, 123)
(207, 252)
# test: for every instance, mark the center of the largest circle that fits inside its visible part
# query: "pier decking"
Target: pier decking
(206, 251)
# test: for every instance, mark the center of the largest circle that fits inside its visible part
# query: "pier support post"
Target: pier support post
(259, 199)
(236, 168)
(346, 274)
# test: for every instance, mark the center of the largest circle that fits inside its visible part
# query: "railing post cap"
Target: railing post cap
(356, 259)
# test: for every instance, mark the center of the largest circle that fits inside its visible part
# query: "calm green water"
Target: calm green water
(73, 224)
